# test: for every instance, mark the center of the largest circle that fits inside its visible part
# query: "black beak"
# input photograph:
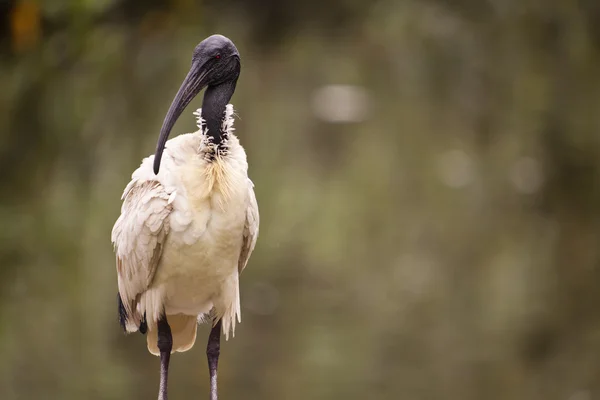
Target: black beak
(193, 83)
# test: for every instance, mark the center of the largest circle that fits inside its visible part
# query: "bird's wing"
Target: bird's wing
(250, 229)
(138, 236)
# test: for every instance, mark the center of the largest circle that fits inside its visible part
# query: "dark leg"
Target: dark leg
(212, 352)
(165, 344)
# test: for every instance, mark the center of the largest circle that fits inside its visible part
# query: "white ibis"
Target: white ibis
(189, 223)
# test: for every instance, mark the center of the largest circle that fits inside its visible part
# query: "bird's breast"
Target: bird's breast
(201, 256)
(211, 200)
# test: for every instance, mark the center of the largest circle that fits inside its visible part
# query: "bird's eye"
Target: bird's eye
(218, 56)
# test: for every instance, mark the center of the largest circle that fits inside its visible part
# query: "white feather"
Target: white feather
(185, 235)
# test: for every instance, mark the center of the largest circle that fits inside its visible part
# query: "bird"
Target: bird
(189, 221)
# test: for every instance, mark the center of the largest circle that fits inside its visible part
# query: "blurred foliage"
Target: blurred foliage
(444, 248)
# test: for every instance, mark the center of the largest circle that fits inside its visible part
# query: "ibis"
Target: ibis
(189, 221)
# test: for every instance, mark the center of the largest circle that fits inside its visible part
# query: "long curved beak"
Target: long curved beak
(193, 83)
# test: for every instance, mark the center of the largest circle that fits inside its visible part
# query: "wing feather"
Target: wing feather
(138, 236)
(250, 229)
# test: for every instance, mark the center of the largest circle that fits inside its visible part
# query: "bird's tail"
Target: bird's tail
(183, 331)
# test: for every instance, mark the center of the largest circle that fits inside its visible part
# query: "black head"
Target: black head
(215, 61)
(219, 57)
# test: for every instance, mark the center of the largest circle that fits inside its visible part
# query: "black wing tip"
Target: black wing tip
(122, 313)
(143, 328)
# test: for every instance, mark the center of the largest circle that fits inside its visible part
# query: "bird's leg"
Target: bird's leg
(165, 344)
(212, 353)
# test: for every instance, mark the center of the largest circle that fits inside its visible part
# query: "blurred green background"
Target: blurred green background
(427, 173)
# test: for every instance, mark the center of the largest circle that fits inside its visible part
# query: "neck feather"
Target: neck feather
(216, 99)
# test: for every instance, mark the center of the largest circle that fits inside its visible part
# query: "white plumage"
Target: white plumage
(185, 235)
